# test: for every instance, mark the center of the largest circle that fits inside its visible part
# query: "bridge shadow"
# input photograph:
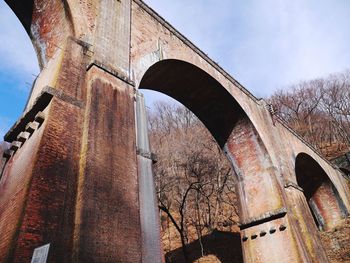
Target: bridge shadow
(226, 246)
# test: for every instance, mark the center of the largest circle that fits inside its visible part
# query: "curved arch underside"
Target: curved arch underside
(323, 198)
(23, 10)
(310, 175)
(199, 92)
(47, 23)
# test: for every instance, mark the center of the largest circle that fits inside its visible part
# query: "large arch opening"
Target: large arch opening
(20, 66)
(199, 92)
(191, 174)
(230, 126)
(325, 203)
(255, 177)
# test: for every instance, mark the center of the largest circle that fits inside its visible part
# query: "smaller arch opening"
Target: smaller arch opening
(325, 203)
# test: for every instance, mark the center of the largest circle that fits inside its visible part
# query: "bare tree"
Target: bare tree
(193, 177)
(319, 110)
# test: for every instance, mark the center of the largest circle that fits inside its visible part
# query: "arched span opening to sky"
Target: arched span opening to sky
(18, 68)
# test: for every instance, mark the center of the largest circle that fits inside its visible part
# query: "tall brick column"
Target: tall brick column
(269, 230)
(107, 219)
(71, 174)
(107, 209)
(38, 187)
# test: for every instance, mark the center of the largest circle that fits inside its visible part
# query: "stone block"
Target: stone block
(23, 137)
(40, 117)
(15, 145)
(8, 154)
(32, 127)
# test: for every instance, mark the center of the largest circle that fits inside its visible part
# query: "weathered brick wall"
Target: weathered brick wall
(14, 187)
(328, 208)
(108, 208)
(257, 183)
(49, 213)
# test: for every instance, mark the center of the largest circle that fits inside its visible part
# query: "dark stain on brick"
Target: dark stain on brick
(110, 214)
(48, 215)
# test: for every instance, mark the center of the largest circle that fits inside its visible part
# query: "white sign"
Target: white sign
(40, 254)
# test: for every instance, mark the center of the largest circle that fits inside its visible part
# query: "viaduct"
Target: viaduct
(78, 172)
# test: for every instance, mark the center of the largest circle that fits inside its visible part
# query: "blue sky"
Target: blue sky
(266, 45)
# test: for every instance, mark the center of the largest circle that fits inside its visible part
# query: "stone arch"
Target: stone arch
(261, 199)
(47, 23)
(199, 92)
(322, 196)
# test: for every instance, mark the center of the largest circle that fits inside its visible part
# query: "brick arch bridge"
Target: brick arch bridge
(78, 173)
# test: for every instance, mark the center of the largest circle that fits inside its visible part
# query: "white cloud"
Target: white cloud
(299, 40)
